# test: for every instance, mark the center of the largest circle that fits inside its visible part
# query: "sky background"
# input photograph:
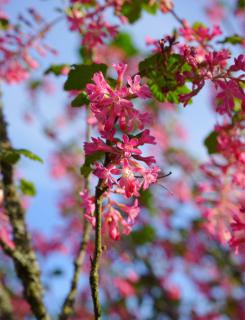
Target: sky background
(43, 214)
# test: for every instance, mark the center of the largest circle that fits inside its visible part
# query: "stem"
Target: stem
(94, 273)
(101, 188)
(174, 14)
(27, 268)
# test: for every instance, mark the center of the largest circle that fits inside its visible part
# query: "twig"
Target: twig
(174, 14)
(67, 308)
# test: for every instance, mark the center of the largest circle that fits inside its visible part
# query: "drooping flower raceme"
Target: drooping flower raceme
(125, 170)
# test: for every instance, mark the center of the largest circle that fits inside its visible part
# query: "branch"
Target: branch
(12, 252)
(27, 269)
(67, 308)
(6, 310)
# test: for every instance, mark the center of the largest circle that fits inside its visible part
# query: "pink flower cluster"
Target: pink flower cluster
(91, 24)
(199, 33)
(222, 196)
(16, 46)
(125, 170)
(211, 65)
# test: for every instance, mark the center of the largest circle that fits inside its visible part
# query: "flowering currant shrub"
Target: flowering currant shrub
(144, 228)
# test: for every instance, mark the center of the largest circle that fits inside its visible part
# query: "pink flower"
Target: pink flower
(137, 89)
(97, 145)
(238, 231)
(75, 20)
(97, 31)
(87, 203)
(131, 211)
(106, 173)
(124, 287)
(216, 12)
(47, 246)
(14, 73)
(229, 90)
(113, 220)
(145, 137)
(121, 69)
(128, 146)
(149, 177)
(128, 182)
(239, 64)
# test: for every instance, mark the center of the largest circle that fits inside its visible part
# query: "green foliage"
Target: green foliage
(80, 100)
(197, 25)
(146, 199)
(133, 9)
(152, 9)
(125, 42)
(143, 236)
(81, 74)
(211, 142)
(9, 156)
(4, 24)
(12, 156)
(86, 168)
(27, 188)
(162, 73)
(240, 4)
(234, 39)
(29, 154)
(35, 84)
(56, 69)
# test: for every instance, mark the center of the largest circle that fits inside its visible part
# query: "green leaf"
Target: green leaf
(9, 156)
(144, 235)
(197, 25)
(86, 168)
(125, 42)
(161, 73)
(211, 142)
(81, 74)
(56, 69)
(241, 4)
(13, 155)
(4, 24)
(152, 9)
(29, 154)
(35, 84)
(27, 188)
(132, 10)
(80, 100)
(234, 39)
(149, 64)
